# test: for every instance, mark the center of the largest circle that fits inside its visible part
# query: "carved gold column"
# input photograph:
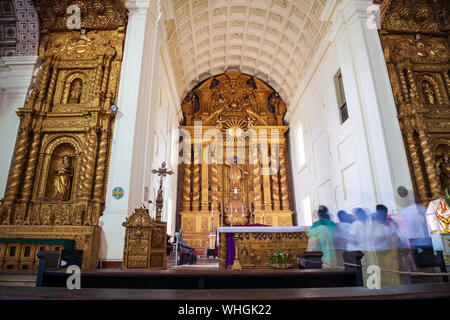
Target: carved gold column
(214, 186)
(265, 174)
(413, 94)
(196, 179)
(415, 161)
(205, 181)
(89, 161)
(257, 193)
(42, 86)
(98, 80)
(18, 163)
(52, 85)
(284, 177)
(101, 164)
(99, 184)
(274, 164)
(447, 84)
(430, 165)
(16, 171)
(403, 84)
(187, 186)
(104, 87)
(31, 167)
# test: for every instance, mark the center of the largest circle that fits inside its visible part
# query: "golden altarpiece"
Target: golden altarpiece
(58, 175)
(415, 38)
(219, 187)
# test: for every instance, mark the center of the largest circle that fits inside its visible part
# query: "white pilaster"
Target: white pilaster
(16, 74)
(378, 142)
(116, 211)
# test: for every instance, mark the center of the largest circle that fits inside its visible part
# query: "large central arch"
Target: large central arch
(234, 158)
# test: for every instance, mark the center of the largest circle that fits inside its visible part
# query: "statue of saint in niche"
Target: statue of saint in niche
(63, 180)
(76, 89)
(428, 92)
(445, 174)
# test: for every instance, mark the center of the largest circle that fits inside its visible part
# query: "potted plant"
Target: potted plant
(282, 260)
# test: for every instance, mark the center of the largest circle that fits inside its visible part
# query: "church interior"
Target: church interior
(212, 144)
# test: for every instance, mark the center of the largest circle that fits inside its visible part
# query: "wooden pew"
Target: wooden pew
(425, 257)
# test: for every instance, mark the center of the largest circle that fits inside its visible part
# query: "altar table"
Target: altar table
(255, 245)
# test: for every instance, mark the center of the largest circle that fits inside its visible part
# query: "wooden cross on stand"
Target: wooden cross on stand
(162, 172)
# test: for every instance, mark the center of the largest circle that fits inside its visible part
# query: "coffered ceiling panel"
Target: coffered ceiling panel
(19, 28)
(271, 39)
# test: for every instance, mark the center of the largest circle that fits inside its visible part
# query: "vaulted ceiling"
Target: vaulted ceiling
(274, 40)
(19, 28)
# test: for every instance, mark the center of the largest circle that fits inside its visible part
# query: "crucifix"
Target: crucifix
(162, 172)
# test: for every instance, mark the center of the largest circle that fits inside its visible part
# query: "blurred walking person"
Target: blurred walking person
(321, 238)
(340, 239)
(385, 241)
(358, 236)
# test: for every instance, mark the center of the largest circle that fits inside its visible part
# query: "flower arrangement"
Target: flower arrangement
(282, 260)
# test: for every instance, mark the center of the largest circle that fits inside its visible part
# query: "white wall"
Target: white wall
(149, 113)
(162, 142)
(330, 174)
(363, 161)
(16, 75)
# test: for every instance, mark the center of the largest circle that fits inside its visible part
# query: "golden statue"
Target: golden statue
(63, 180)
(445, 174)
(235, 175)
(75, 91)
(428, 92)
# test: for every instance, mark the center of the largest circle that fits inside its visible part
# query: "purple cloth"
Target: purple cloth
(231, 250)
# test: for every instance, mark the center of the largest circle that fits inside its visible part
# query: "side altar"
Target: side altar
(253, 246)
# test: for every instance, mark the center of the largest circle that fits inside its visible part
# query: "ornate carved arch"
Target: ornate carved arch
(48, 157)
